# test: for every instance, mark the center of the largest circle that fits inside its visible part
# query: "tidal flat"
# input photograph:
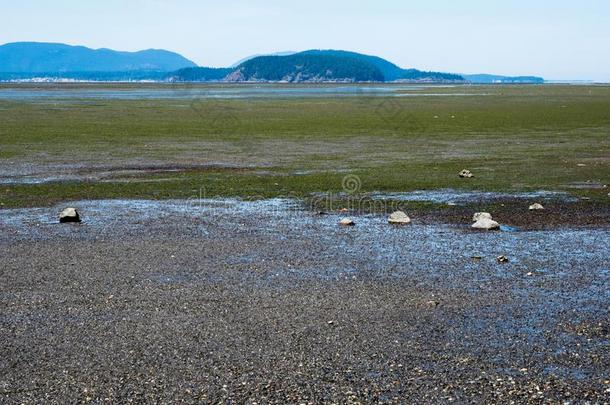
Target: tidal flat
(210, 266)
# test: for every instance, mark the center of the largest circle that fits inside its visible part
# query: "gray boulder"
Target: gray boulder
(399, 218)
(481, 215)
(347, 222)
(466, 174)
(486, 224)
(69, 215)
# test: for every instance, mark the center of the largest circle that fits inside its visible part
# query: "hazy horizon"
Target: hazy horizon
(558, 40)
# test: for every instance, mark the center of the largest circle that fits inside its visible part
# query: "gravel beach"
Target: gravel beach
(263, 302)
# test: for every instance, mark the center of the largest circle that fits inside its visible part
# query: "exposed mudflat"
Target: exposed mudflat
(232, 301)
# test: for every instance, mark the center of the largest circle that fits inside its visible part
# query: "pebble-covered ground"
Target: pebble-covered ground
(262, 302)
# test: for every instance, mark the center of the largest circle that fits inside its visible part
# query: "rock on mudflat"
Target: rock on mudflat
(466, 174)
(486, 224)
(535, 207)
(433, 304)
(347, 222)
(69, 215)
(481, 215)
(399, 218)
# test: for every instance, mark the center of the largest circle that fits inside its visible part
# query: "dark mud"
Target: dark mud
(447, 206)
(229, 301)
(557, 214)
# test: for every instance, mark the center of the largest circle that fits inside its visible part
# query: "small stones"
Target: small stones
(399, 218)
(481, 215)
(347, 222)
(536, 207)
(69, 215)
(466, 174)
(486, 224)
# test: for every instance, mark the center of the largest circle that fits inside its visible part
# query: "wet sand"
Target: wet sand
(228, 301)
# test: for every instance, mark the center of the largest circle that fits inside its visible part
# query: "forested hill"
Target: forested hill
(389, 70)
(318, 66)
(302, 67)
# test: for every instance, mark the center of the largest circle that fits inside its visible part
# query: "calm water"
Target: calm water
(182, 91)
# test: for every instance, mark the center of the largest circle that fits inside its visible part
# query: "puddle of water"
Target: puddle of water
(71, 172)
(104, 212)
(229, 92)
(507, 228)
(445, 196)
(588, 186)
(14, 180)
(426, 247)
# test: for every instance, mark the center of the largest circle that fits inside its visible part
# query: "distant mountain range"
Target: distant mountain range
(35, 57)
(49, 61)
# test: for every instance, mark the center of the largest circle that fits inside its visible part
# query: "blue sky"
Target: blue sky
(557, 39)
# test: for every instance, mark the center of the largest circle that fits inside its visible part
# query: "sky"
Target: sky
(558, 39)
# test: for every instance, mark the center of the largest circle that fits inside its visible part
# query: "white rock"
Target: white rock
(347, 222)
(69, 215)
(486, 224)
(399, 218)
(466, 174)
(536, 206)
(481, 215)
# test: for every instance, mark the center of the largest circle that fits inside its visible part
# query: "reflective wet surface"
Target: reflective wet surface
(231, 285)
(194, 91)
